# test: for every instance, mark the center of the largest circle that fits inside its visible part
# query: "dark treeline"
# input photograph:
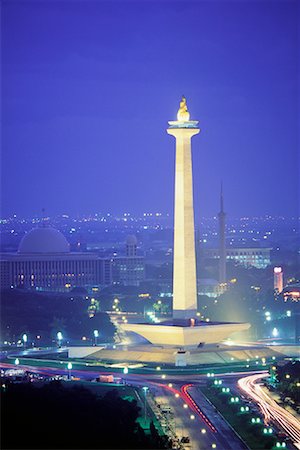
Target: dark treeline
(44, 314)
(51, 416)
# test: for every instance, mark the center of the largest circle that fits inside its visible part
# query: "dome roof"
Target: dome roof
(44, 240)
(131, 240)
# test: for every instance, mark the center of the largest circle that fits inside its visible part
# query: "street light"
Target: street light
(17, 361)
(125, 370)
(25, 339)
(96, 335)
(59, 338)
(69, 366)
(145, 389)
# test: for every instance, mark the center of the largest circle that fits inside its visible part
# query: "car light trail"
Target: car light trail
(271, 410)
(195, 407)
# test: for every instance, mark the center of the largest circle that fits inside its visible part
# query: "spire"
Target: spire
(221, 198)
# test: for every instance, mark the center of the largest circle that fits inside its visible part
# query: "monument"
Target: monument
(185, 330)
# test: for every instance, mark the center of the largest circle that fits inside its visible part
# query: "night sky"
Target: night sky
(88, 88)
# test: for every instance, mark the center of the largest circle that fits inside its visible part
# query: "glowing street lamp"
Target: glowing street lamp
(275, 332)
(25, 339)
(69, 367)
(59, 338)
(17, 361)
(125, 370)
(145, 389)
(96, 335)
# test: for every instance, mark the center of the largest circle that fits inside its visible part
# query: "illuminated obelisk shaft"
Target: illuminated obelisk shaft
(184, 270)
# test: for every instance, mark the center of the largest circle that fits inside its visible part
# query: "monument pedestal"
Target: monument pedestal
(181, 358)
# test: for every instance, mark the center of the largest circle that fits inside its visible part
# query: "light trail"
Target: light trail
(193, 404)
(271, 410)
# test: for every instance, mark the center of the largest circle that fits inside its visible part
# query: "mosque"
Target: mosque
(44, 262)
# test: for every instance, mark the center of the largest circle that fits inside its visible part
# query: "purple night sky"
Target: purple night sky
(88, 88)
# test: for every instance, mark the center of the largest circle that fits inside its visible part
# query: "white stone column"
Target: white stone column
(184, 270)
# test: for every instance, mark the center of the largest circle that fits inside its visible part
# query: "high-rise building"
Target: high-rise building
(278, 279)
(129, 270)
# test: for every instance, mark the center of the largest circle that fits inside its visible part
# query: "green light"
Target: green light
(278, 444)
(265, 431)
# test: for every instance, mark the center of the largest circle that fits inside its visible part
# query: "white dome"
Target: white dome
(44, 240)
(131, 240)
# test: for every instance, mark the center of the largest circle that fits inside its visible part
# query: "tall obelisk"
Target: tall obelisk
(184, 270)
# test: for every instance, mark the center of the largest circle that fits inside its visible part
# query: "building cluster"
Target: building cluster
(44, 262)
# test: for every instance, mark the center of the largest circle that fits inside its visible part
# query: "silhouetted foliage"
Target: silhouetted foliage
(44, 314)
(51, 416)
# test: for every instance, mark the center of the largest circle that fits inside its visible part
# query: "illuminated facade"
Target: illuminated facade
(129, 270)
(247, 257)
(44, 261)
(278, 279)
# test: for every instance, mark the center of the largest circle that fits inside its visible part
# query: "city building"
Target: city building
(210, 287)
(246, 256)
(278, 279)
(44, 262)
(129, 270)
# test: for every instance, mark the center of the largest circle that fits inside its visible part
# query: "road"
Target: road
(272, 412)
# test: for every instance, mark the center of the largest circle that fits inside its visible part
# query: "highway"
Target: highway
(272, 412)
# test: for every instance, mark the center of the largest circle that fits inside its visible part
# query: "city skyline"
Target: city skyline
(105, 69)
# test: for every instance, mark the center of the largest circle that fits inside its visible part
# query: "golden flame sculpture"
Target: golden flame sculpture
(183, 115)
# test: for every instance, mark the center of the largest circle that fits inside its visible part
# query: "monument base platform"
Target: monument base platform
(148, 355)
(185, 333)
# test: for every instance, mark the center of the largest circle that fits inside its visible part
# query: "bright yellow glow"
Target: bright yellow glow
(203, 431)
(185, 406)
(176, 395)
(192, 417)
(170, 385)
(183, 115)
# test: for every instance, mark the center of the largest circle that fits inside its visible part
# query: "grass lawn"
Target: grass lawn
(241, 422)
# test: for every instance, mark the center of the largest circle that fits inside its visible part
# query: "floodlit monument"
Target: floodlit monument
(185, 330)
(182, 339)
